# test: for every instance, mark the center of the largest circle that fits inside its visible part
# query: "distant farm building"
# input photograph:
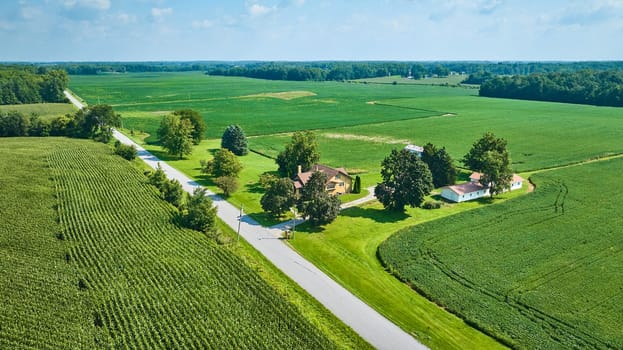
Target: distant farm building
(415, 149)
(339, 182)
(474, 189)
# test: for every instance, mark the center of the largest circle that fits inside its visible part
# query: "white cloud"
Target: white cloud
(489, 6)
(4, 25)
(30, 12)
(203, 24)
(125, 18)
(259, 10)
(158, 12)
(93, 4)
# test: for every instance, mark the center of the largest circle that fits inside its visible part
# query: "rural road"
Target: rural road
(369, 324)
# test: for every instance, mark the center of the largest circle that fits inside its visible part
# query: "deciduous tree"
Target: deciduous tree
(315, 203)
(489, 156)
(406, 181)
(199, 125)
(224, 163)
(440, 164)
(279, 197)
(176, 135)
(227, 184)
(302, 150)
(96, 122)
(200, 214)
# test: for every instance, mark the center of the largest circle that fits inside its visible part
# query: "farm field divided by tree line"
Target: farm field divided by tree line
(143, 98)
(540, 134)
(115, 271)
(359, 124)
(540, 271)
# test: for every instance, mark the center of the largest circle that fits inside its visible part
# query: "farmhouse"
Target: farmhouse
(474, 189)
(339, 182)
(415, 149)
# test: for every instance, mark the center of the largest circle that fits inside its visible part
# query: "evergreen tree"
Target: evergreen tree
(357, 185)
(235, 140)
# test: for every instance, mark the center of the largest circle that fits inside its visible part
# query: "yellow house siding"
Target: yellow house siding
(339, 184)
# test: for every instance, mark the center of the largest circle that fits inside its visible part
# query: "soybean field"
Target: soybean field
(358, 124)
(541, 271)
(94, 260)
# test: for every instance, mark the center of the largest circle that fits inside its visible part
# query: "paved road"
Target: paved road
(364, 320)
(73, 100)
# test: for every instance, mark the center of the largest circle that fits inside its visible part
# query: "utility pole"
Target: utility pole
(239, 220)
(293, 210)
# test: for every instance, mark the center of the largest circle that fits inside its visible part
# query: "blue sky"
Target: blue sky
(419, 30)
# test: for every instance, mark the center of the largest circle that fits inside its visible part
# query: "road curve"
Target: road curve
(369, 324)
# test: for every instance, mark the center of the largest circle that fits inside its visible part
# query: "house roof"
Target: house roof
(414, 148)
(301, 179)
(467, 187)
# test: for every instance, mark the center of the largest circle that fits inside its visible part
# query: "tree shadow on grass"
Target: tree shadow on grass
(255, 188)
(204, 180)
(378, 215)
(307, 228)
(164, 156)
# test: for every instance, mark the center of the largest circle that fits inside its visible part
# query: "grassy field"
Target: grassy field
(357, 126)
(143, 98)
(548, 268)
(109, 269)
(539, 134)
(45, 110)
(449, 80)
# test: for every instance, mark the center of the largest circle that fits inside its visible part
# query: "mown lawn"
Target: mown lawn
(346, 250)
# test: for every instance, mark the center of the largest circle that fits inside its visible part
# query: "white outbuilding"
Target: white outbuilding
(474, 189)
(415, 149)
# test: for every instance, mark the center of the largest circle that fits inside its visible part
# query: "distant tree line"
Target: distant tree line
(93, 68)
(95, 122)
(333, 71)
(320, 70)
(478, 78)
(602, 88)
(27, 84)
(339, 71)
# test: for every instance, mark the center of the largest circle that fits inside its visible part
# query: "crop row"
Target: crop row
(152, 284)
(525, 271)
(40, 306)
